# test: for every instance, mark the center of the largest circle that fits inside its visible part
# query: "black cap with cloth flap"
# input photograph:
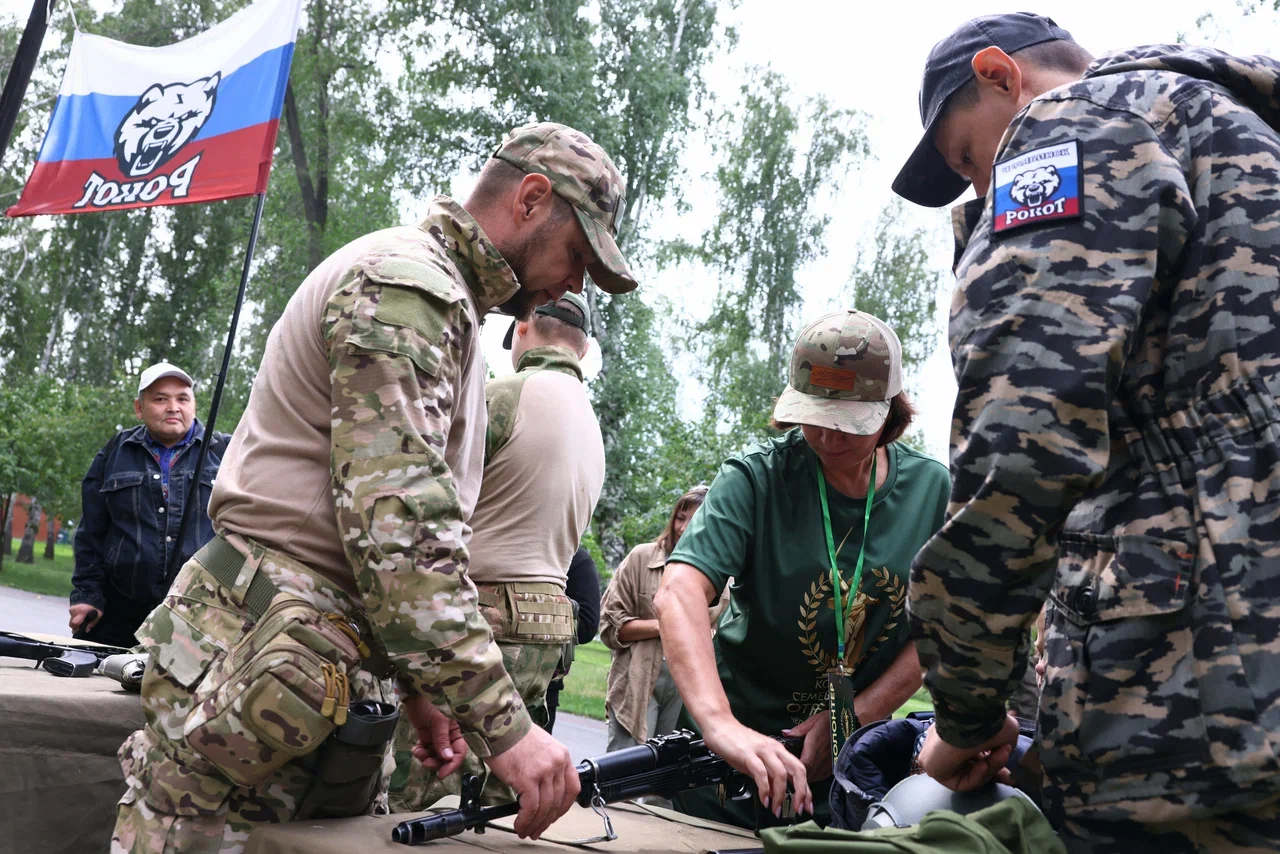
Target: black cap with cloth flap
(554, 309)
(926, 179)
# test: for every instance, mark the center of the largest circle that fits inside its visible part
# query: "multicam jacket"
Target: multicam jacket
(1116, 443)
(361, 450)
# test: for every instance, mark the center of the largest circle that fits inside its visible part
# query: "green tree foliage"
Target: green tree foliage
(49, 433)
(389, 100)
(779, 159)
(894, 280)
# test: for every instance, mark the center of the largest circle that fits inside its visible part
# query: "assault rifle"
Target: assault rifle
(58, 659)
(661, 767)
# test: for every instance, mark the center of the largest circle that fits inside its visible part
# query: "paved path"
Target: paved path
(32, 612)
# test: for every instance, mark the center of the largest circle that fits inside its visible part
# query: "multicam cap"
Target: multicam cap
(582, 174)
(845, 368)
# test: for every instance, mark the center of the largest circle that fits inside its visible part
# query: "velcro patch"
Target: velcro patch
(1038, 186)
(836, 378)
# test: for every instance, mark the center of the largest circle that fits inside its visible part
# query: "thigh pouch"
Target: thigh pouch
(280, 690)
(347, 768)
(279, 693)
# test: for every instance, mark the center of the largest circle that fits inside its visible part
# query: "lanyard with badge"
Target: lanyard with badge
(839, 684)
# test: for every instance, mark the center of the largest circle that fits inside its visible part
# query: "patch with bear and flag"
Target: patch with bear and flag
(194, 121)
(1037, 186)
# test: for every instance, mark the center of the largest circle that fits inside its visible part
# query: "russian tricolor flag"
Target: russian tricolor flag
(190, 122)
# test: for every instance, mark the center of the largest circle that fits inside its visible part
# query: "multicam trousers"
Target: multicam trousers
(531, 623)
(178, 799)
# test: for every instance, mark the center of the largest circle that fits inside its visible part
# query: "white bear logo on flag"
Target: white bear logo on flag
(1035, 186)
(164, 120)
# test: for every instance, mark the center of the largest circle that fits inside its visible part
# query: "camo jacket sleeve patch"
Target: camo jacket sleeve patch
(411, 311)
(394, 374)
(1042, 323)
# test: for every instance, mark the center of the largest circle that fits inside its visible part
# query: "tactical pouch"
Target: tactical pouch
(569, 650)
(277, 695)
(527, 612)
(348, 766)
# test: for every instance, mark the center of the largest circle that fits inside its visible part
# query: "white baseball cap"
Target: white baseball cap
(159, 371)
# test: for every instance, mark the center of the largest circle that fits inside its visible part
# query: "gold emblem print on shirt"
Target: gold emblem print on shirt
(818, 597)
(888, 584)
(896, 592)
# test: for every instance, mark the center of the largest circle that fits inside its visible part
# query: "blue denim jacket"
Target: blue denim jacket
(127, 529)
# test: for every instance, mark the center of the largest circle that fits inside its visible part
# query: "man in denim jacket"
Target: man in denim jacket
(132, 503)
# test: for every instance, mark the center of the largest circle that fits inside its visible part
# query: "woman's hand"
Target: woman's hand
(816, 753)
(765, 761)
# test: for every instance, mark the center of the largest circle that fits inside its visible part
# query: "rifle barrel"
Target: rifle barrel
(428, 828)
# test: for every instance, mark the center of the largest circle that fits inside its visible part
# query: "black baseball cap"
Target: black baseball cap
(576, 319)
(926, 179)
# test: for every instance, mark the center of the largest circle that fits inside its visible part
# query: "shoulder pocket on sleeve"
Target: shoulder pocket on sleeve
(412, 312)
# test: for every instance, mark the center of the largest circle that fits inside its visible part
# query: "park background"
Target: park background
(758, 140)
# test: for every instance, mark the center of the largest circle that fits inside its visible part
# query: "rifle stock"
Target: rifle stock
(661, 767)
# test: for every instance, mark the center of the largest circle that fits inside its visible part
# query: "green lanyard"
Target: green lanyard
(842, 612)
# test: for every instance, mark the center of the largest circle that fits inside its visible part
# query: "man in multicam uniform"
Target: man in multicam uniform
(347, 488)
(543, 472)
(1117, 431)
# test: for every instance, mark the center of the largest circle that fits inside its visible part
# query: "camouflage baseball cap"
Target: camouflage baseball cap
(582, 174)
(845, 368)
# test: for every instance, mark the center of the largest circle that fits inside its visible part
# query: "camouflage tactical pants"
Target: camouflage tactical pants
(1252, 831)
(531, 623)
(177, 799)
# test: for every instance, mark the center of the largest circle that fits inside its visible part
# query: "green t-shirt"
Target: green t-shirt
(761, 525)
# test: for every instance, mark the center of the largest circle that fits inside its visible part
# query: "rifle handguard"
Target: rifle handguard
(661, 767)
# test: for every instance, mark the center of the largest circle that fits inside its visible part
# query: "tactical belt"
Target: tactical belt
(224, 563)
(221, 560)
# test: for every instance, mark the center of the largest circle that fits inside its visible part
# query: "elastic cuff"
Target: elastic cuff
(969, 728)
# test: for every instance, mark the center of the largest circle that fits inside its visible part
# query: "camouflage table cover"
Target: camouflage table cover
(58, 739)
(639, 829)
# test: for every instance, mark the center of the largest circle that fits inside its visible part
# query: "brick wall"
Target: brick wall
(19, 517)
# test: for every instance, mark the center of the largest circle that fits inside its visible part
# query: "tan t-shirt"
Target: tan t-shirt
(543, 473)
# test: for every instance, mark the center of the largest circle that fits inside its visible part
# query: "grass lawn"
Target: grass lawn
(584, 687)
(51, 577)
(919, 702)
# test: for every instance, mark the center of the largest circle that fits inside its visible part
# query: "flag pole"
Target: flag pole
(24, 62)
(172, 569)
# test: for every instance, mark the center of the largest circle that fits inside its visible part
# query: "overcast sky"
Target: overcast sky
(868, 57)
